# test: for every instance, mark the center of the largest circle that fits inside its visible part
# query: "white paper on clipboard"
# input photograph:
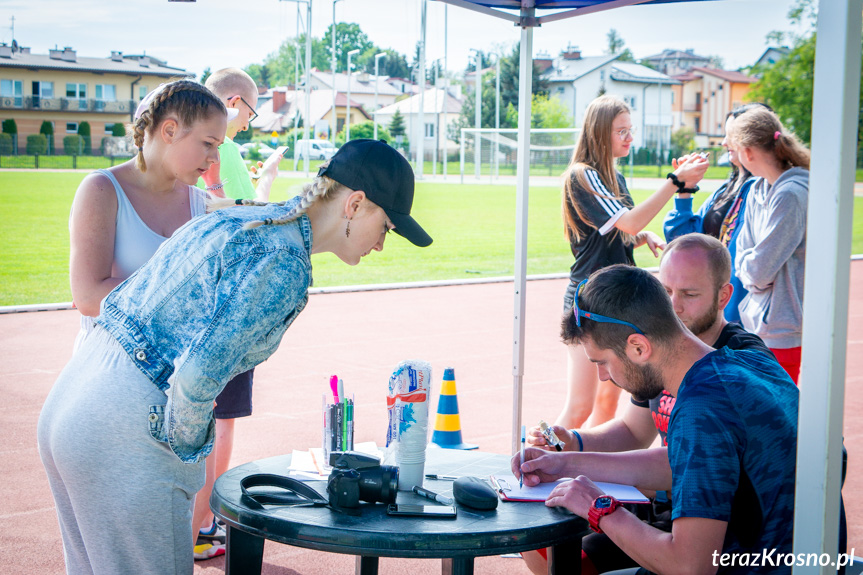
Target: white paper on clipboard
(508, 490)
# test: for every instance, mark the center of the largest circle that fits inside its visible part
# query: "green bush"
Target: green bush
(10, 127)
(84, 132)
(366, 130)
(118, 130)
(37, 145)
(47, 128)
(73, 145)
(5, 144)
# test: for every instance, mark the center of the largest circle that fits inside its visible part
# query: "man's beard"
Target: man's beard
(705, 322)
(644, 383)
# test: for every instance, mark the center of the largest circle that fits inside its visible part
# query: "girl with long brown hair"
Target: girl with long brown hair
(603, 226)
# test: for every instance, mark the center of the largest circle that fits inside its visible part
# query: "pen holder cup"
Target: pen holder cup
(337, 432)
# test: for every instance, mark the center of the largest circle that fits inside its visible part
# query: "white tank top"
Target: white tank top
(134, 241)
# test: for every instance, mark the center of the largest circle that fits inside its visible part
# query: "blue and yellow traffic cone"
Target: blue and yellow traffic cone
(447, 425)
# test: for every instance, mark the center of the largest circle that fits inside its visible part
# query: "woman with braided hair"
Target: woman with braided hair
(120, 216)
(124, 432)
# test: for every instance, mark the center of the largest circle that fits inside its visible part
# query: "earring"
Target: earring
(348, 229)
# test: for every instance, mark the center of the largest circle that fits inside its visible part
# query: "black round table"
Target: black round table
(511, 528)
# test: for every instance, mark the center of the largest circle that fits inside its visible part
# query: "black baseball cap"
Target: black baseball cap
(387, 179)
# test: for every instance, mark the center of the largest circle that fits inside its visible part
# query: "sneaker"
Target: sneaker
(210, 543)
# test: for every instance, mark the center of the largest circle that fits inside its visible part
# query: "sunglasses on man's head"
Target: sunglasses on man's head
(580, 313)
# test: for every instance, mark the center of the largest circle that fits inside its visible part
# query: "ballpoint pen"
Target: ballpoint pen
(521, 473)
(441, 477)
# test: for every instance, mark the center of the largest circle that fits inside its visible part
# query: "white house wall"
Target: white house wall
(576, 96)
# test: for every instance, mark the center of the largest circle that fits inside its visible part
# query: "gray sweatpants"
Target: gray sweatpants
(124, 500)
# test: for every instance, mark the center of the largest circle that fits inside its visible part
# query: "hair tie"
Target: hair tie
(776, 134)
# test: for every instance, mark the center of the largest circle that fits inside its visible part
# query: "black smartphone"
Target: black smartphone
(430, 511)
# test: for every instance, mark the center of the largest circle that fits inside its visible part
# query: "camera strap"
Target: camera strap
(295, 493)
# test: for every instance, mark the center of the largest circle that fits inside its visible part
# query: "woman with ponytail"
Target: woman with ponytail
(603, 225)
(124, 432)
(771, 247)
(120, 216)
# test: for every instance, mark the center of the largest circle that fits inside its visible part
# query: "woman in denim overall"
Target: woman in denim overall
(125, 430)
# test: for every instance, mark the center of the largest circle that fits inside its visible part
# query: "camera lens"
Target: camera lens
(379, 484)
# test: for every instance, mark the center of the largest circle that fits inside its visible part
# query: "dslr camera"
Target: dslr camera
(360, 477)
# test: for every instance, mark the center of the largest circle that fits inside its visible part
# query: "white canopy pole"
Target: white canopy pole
(828, 245)
(525, 87)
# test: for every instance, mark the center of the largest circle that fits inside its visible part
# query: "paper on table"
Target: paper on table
(508, 490)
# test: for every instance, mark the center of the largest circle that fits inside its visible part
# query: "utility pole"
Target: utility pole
(377, 80)
(333, 121)
(348, 121)
(477, 155)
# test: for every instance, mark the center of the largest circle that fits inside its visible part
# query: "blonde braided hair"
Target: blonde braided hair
(186, 99)
(321, 188)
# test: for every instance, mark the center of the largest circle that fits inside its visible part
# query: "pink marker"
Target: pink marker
(334, 385)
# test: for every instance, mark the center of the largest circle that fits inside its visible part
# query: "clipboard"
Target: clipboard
(508, 490)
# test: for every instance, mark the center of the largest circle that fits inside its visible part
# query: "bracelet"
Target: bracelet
(691, 190)
(578, 437)
(676, 181)
(215, 187)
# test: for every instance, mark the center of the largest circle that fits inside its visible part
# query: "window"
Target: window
(43, 89)
(561, 89)
(106, 92)
(697, 125)
(76, 91)
(71, 127)
(429, 130)
(142, 91)
(109, 129)
(14, 90)
(672, 97)
(630, 101)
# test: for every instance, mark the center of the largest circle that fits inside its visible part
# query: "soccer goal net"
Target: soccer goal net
(490, 153)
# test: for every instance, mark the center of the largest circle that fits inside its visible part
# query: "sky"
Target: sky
(223, 33)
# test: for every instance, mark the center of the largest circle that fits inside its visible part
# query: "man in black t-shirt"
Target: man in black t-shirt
(695, 270)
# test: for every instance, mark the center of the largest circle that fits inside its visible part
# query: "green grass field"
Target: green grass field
(473, 227)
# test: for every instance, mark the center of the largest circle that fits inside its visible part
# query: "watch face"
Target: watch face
(603, 502)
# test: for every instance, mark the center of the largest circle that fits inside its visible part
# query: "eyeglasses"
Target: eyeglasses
(254, 114)
(622, 134)
(580, 313)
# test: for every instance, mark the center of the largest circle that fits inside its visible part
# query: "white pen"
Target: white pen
(432, 495)
(521, 473)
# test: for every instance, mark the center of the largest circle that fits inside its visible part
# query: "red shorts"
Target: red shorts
(789, 359)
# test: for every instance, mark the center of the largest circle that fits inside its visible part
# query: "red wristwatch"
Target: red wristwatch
(602, 506)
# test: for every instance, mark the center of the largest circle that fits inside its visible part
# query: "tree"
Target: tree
(683, 140)
(616, 45)
(349, 37)
(545, 112)
(259, 73)
(397, 124)
(615, 42)
(280, 64)
(205, 75)
(9, 126)
(787, 85)
(364, 130)
(47, 128)
(393, 64)
(508, 95)
(118, 130)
